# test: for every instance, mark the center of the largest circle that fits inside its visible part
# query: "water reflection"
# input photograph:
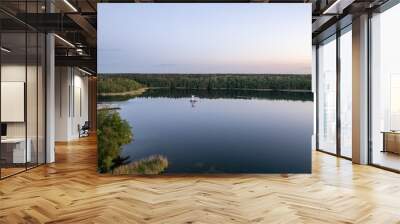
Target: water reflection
(221, 131)
(217, 94)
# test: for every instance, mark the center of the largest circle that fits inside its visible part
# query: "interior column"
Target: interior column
(50, 92)
(360, 90)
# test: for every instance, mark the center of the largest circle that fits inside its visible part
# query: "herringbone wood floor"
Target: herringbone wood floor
(70, 191)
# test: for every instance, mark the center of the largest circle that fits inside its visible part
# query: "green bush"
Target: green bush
(112, 133)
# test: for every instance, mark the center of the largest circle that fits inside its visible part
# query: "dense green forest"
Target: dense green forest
(129, 82)
(107, 84)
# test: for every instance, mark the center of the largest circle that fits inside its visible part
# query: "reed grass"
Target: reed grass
(152, 165)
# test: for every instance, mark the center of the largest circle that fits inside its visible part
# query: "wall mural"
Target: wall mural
(204, 88)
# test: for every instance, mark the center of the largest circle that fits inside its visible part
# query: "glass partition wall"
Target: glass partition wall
(334, 105)
(13, 123)
(22, 98)
(385, 89)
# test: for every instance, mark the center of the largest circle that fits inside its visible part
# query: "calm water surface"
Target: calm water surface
(224, 131)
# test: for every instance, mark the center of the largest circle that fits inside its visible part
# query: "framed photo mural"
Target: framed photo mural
(204, 88)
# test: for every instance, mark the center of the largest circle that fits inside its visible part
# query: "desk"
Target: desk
(391, 141)
(15, 148)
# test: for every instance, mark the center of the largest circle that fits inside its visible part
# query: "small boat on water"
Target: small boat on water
(193, 99)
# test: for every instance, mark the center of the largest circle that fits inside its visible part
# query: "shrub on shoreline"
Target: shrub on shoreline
(112, 133)
(152, 165)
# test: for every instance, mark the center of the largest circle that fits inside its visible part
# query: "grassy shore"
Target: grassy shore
(127, 93)
(152, 165)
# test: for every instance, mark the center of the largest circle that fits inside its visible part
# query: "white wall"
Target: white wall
(12, 73)
(62, 82)
(71, 87)
(13, 101)
(80, 109)
(16, 73)
(33, 126)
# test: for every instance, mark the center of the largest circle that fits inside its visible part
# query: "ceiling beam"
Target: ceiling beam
(86, 27)
(337, 6)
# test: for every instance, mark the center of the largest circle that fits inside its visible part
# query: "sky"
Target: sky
(243, 38)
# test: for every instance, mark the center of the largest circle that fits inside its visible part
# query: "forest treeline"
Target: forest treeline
(121, 83)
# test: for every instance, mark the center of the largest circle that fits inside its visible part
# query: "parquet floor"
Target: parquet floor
(70, 191)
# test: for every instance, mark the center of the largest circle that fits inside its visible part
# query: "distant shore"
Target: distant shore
(244, 89)
(142, 90)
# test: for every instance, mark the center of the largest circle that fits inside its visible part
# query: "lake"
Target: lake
(223, 131)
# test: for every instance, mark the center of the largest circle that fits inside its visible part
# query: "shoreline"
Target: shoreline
(130, 93)
(244, 89)
(142, 90)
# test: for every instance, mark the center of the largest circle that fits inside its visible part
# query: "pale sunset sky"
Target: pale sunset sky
(204, 38)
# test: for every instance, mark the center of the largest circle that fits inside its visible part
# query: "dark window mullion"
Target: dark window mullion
(338, 81)
(37, 91)
(369, 100)
(317, 95)
(26, 86)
